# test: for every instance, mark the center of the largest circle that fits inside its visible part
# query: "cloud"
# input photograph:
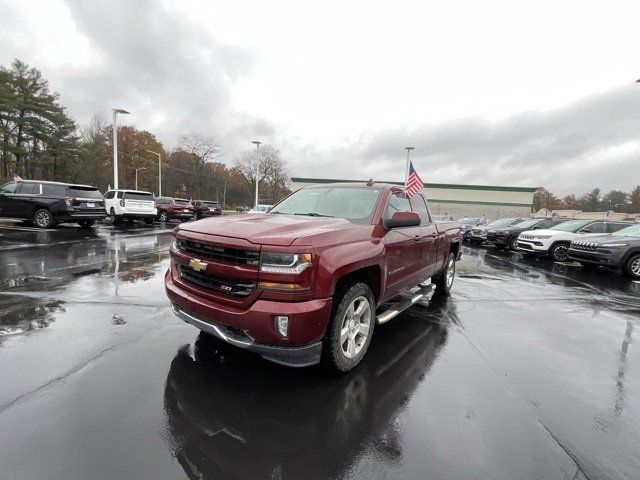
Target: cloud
(589, 143)
(176, 76)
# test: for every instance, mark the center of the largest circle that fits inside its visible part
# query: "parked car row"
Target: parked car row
(592, 243)
(46, 204)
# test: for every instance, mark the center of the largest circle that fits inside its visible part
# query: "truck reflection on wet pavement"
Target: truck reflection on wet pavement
(527, 371)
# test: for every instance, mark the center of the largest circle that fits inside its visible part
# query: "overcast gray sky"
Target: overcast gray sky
(514, 93)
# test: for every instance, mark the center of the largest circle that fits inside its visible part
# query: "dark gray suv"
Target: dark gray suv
(48, 203)
(620, 250)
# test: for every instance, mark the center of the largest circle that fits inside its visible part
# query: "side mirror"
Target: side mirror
(402, 219)
(585, 231)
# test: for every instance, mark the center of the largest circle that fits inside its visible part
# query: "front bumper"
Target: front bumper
(606, 258)
(498, 239)
(533, 246)
(291, 356)
(253, 327)
(138, 215)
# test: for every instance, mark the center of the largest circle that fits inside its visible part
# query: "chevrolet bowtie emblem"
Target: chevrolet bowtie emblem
(197, 265)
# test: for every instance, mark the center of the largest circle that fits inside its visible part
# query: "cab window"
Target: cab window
(419, 205)
(8, 187)
(597, 227)
(28, 188)
(398, 202)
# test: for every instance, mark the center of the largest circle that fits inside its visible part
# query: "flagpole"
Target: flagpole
(406, 169)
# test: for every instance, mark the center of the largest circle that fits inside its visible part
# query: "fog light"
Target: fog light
(282, 324)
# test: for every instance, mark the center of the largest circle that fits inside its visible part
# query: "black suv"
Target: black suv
(620, 250)
(49, 203)
(508, 236)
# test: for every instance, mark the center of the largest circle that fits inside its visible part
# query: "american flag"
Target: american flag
(414, 182)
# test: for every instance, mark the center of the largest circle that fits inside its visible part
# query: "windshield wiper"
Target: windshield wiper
(314, 214)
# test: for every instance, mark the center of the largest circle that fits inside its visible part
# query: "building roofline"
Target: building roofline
(450, 186)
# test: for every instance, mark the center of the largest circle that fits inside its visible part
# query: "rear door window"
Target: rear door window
(614, 227)
(419, 205)
(28, 188)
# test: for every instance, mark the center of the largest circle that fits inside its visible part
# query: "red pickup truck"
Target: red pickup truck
(308, 281)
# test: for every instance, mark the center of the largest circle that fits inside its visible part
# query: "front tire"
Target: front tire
(43, 218)
(513, 244)
(560, 252)
(444, 280)
(632, 267)
(163, 217)
(352, 322)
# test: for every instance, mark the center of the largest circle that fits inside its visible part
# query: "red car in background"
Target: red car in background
(174, 208)
(206, 208)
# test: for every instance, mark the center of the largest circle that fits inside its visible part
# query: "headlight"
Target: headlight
(178, 244)
(615, 245)
(284, 262)
(541, 237)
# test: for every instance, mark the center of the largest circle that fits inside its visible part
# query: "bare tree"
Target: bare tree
(273, 171)
(202, 150)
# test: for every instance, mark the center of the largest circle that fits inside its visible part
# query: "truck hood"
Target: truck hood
(268, 229)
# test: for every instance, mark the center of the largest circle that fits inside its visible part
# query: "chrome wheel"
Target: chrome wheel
(451, 271)
(635, 267)
(163, 216)
(43, 219)
(356, 324)
(561, 253)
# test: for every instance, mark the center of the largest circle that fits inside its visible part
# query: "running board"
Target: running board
(400, 306)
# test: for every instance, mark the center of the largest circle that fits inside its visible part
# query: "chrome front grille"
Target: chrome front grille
(217, 252)
(588, 246)
(221, 285)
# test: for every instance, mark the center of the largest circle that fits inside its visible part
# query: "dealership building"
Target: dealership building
(459, 200)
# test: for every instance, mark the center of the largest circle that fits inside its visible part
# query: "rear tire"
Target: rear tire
(513, 244)
(353, 319)
(86, 223)
(43, 218)
(444, 280)
(116, 219)
(163, 217)
(632, 267)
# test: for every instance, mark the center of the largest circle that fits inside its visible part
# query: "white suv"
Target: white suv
(555, 241)
(133, 204)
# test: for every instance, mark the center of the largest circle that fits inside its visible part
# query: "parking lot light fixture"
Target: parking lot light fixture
(116, 111)
(159, 171)
(257, 144)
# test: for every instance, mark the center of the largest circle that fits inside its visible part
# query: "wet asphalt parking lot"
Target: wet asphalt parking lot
(530, 370)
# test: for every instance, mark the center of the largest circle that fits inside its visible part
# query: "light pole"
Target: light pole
(406, 170)
(159, 172)
(137, 169)
(116, 111)
(257, 169)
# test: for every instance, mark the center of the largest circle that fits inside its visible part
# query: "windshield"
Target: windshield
(633, 231)
(503, 222)
(84, 192)
(572, 226)
(529, 223)
(354, 204)
(469, 221)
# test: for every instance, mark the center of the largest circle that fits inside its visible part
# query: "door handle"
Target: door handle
(434, 235)
(417, 237)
